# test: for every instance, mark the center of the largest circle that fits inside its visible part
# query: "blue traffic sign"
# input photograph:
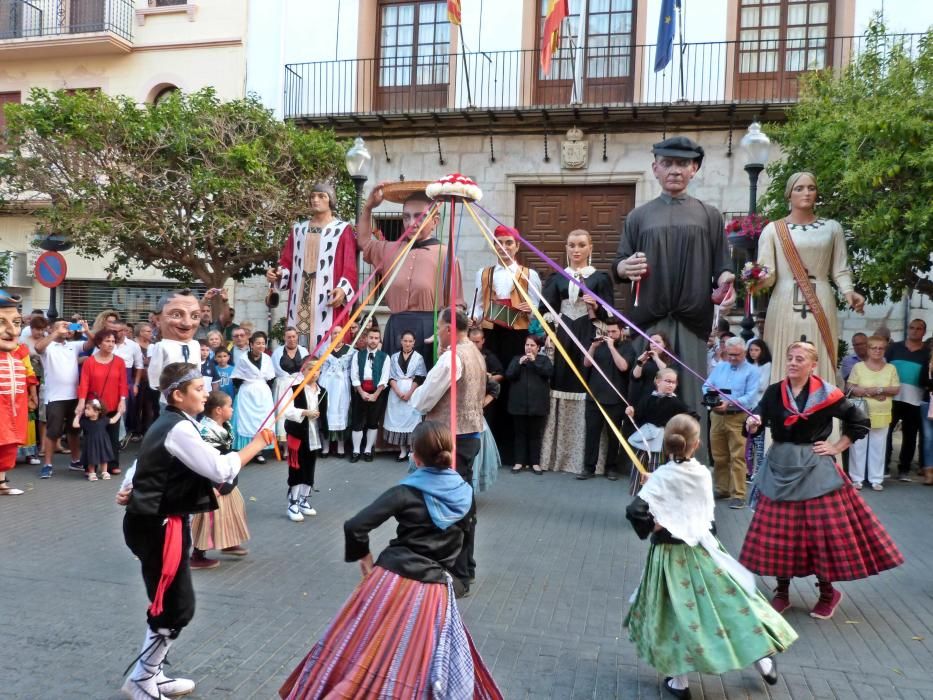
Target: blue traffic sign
(51, 269)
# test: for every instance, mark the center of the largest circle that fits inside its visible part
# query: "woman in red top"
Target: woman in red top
(103, 377)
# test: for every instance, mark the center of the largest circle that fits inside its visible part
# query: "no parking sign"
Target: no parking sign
(51, 269)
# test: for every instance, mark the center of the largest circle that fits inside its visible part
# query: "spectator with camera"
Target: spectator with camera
(615, 358)
(730, 390)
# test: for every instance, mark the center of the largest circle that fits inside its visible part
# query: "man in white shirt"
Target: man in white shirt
(369, 377)
(60, 365)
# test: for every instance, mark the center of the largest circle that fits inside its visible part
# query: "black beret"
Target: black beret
(679, 147)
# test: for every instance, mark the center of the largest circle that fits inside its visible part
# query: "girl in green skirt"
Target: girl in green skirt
(696, 608)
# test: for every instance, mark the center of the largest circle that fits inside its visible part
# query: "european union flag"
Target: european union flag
(666, 24)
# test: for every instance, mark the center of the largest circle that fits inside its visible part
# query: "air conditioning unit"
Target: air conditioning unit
(20, 275)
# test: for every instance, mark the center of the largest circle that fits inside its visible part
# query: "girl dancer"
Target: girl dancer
(696, 608)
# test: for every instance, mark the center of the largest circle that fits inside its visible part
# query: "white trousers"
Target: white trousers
(867, 456)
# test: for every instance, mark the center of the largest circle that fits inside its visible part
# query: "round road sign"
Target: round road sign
(51, 269)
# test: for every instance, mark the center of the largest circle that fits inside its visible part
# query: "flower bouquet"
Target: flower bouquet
(752, 275)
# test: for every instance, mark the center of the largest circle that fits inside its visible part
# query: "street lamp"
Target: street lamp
(757, 148)
(358, 163)
(58, 243)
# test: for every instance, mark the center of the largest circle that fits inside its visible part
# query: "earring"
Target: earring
(589, 260)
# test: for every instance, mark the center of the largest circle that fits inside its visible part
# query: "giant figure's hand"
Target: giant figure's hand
(633, 267)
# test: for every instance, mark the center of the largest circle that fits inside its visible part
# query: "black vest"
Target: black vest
(163, 485)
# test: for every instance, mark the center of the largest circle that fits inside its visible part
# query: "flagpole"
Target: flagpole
(680, 19)
(466, 68)
(576, 95)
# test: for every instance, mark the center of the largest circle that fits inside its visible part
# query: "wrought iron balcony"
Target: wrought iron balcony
(704, 82)
(23, 22)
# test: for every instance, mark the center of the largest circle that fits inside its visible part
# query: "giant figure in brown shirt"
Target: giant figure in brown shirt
(412, 294)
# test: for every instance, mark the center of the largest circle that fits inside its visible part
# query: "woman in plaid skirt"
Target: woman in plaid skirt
(809, 519)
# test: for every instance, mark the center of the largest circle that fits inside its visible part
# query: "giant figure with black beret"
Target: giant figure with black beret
(674, 248)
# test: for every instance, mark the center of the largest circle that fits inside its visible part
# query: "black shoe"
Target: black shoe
(259, 459)
(354, 458)
(612, 476)
(677, 693)
(770, 678)
(401, 459)
(367, 456)
(584, 476)
(720, 495)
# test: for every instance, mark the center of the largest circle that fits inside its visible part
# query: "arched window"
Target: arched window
(163, 91)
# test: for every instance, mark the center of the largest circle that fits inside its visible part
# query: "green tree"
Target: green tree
(197, 188)
(867, 135)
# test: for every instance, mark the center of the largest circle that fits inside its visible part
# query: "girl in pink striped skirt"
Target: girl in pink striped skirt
(400, 635)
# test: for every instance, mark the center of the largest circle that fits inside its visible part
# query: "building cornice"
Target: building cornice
(196, 44)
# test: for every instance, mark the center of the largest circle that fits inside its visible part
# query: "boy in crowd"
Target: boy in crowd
(369, 376)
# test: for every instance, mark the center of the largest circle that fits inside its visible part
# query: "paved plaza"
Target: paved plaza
(557, 562)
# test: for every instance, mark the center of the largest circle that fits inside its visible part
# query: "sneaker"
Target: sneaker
(780, 603)
(877, 487)
(304, 507)
(294, 513)
(737, 504)
(75, 466)
(904, 477)
(46, 472)
(33, 461)
(824, 609)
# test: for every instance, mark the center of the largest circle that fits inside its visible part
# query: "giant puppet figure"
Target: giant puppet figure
(14, 408)
(318, 268)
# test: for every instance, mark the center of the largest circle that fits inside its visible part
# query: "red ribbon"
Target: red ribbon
(171, 560)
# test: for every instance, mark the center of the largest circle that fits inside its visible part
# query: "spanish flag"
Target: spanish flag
(453, 11)
(557, 10)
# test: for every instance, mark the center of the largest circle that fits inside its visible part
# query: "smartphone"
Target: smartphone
(74, 326)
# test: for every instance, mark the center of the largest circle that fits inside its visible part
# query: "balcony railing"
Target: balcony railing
(24, 19)
(711, 73)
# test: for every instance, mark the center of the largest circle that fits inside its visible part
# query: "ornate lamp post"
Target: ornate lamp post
(358, 163)
(757, 147)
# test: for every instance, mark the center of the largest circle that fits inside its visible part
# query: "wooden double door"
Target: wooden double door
(545, 214)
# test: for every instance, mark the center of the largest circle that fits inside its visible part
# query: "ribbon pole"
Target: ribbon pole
(453, 331)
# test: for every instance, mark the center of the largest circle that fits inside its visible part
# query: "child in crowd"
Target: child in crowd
(225, 528)
(696, 608)
(223, 372)
(304, 441)
(369, 376)
(651, 415)
(207, 364)
(528, 402)
(96, 448)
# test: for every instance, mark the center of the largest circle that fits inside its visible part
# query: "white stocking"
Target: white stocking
(357, 436)
(371, 439)
(679, 682)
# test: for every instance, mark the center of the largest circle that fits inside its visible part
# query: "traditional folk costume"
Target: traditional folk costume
(564, 433)
(335, 408)
(809, 519)
(304, 442)
(505, 327)
(14, 411)
(400, 634)
(412, 296)
(173, 477)
(433, 399)
(224, 528)
(369, 371)
(253, 402)
(696, 608)
(315, 261)
(401, 419)
(286, 368)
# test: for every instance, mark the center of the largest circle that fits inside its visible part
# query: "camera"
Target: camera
(711, 399)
